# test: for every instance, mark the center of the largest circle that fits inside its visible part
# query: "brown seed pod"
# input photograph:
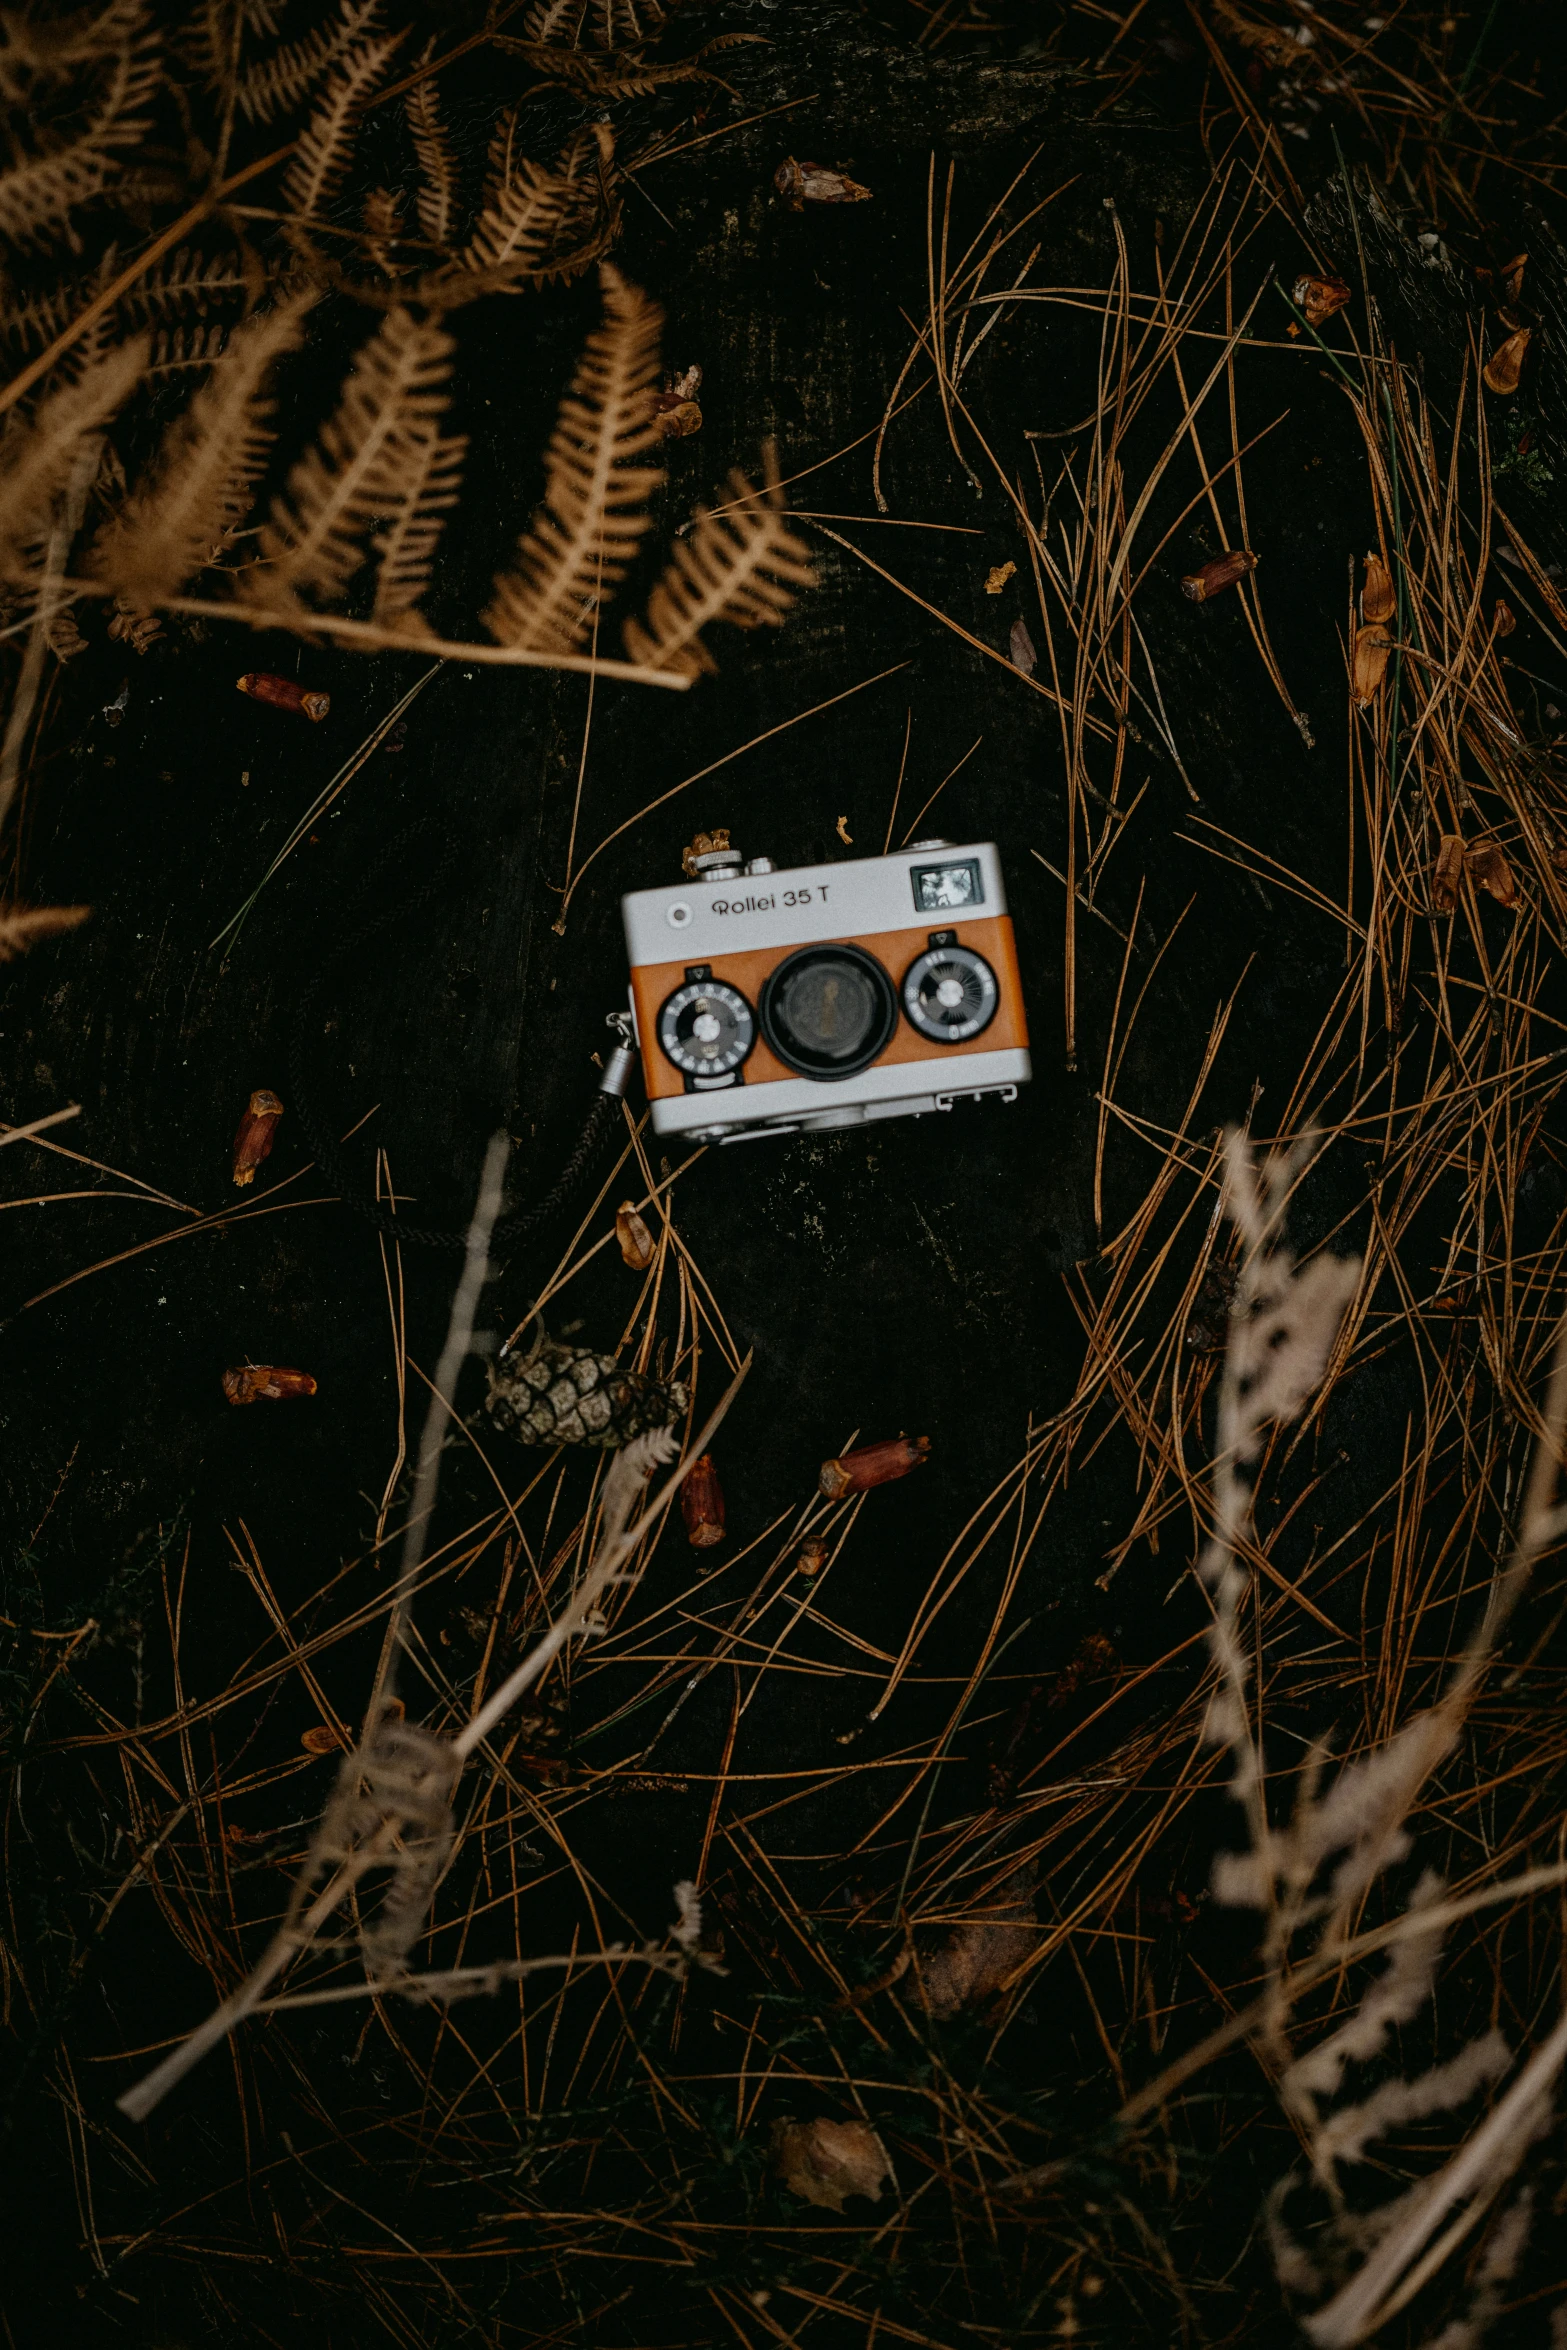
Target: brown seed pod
(811, 1557)
(1020, 649)
(1502, 621)
(1376, 595)
(800, 184)
(825, 2161)
(284, 694)
(1447, 874)
(265, 1383)
(1317, 298)
(636, 1242)
(872, 1464)
(1372, 648)
(256, 1132)
(1512, 276)
(1491, 870)
(1505, 365)
(1222, 572)
(702, 1504)
(323, 1740)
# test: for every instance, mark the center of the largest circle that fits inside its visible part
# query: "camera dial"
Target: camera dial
(949, 992)
(829, 1011)
(706, 1028)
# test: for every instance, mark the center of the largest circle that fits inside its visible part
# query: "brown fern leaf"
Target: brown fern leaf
(285, 81)
(363, 472)
(540, 222)
(624, 24)
(213, 38)
(595, 495)
(38, 458)
(205, 476)
(437, 198)
(405, 549)
(600, 77)
(38, 193)
(326, 144)
(556, 24)
(22, 927)
(189, 280)
(741, 565)
(382, 216)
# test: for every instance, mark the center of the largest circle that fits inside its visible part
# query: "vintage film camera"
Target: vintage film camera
(770, 1002)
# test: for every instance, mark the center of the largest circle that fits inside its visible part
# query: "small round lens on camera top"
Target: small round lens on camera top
(828, 1011)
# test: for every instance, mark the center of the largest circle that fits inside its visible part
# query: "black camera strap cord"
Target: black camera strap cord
(518, 1223)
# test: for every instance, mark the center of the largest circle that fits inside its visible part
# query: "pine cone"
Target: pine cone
(570, 1395)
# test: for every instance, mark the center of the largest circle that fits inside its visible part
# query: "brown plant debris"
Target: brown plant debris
(1218, 573)
(702, 1504)
(1377, 600)
(812, 1556)
(997, 576)
(1373, 648)
(1020, 649)
(1447, 874)
(827, 2161)
(800, 184)
(872, 1464)
(64, 639)
(1503, 621)
(284, 693)
(1486, 862)
(978, 1957)
(635, 1241)
(1317, 298)
(266, 1383)
(257, 1131)
(1505, 365)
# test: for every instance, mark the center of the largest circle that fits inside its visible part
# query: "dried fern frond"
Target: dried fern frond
(175, 347)
(538, 222)
(405, 548)
(213, 38)
(37, 51)
(595, 494)
(327, 142)
(592, 76)
(382, 216)
(285, 81)
(22, 927)
(189, 280)
(39, 192)
(437, 198)
(363, 471)
(556, 23)
(38, 458)
(206, 471)
(741, 565)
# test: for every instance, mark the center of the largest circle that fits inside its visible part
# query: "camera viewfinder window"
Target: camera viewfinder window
(941, 889)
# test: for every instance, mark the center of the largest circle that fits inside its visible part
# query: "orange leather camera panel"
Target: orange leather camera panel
(653, 983)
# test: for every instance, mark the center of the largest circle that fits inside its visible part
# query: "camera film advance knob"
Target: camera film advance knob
(949, 992)
(706, 1028)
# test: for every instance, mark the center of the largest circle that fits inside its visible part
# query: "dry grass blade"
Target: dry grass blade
(594, 513)
(743, 565)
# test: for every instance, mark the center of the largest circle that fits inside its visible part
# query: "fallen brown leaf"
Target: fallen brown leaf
(1505, 365)
(636, 1242)
(1376, 594)
(1317, 298)
(800, 184)
(1020, 649)
(980, 1955)
(1486, 862)
(1372, 648)
(265, 1383)
(997, 576)
(1447, 874)
(827, 2161)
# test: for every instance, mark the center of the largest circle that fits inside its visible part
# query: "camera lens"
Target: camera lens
(828, 1011)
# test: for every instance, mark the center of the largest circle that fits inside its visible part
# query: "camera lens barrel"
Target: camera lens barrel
(829, 1011)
